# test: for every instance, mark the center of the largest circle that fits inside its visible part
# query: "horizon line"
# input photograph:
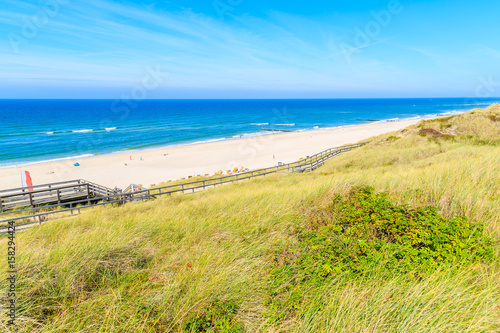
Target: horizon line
(247, 99)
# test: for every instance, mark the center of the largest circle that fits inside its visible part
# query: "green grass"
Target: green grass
(159, 265)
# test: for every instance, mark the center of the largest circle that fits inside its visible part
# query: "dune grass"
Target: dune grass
(156, 266)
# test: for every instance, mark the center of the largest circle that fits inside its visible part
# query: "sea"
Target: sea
(36, 131)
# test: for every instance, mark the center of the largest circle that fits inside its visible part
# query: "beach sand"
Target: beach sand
(200, 159)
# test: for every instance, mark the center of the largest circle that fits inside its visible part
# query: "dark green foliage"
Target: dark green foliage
(365, 228)
(365, 233)
(217, 317)
(393, 138)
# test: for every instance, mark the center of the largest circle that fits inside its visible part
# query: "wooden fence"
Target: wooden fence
(30, 207)
(47, 194)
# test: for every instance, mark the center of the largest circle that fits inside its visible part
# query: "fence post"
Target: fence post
(88, 194)
(58, 196)
(182, 188)
(32, 205)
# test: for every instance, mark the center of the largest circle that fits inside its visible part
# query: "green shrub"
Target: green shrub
(365, 233)
(366, 228)
(217, 317)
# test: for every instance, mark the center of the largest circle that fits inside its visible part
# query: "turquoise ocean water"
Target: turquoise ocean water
(33, 131)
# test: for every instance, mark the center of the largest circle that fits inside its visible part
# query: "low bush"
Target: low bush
(364, 233)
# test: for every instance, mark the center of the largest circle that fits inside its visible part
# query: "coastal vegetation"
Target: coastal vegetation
(401, 235)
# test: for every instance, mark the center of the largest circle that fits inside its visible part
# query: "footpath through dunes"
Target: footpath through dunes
(263, 255)
(19, 205)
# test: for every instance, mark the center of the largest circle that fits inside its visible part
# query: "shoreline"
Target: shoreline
(233, 138)
(154, 166)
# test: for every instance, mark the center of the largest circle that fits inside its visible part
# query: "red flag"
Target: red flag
(26, 180)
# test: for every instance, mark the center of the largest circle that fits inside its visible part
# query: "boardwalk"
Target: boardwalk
(48, 194)
(30, 207)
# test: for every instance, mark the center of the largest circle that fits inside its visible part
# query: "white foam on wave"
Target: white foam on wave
(109, 129)
(255, 134)
(444, 114)
(450, 113)
(285, 124)
(471, 104)
(82, 131)
(49, 133)
(259, 124)
(340, 126)
(62, 159)
(207, 141)
(386, 121)
(412, 118)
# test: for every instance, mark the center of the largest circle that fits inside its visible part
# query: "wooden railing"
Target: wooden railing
(96, 195)
(47, 194)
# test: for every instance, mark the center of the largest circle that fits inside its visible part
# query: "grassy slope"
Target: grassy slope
(149, 267)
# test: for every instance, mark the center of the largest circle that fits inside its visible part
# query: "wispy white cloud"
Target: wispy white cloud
(105, 42)
(91, 42)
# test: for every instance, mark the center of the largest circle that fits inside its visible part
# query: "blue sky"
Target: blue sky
(249, 49)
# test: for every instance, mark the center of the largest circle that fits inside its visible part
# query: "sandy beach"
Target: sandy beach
(160, 165)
